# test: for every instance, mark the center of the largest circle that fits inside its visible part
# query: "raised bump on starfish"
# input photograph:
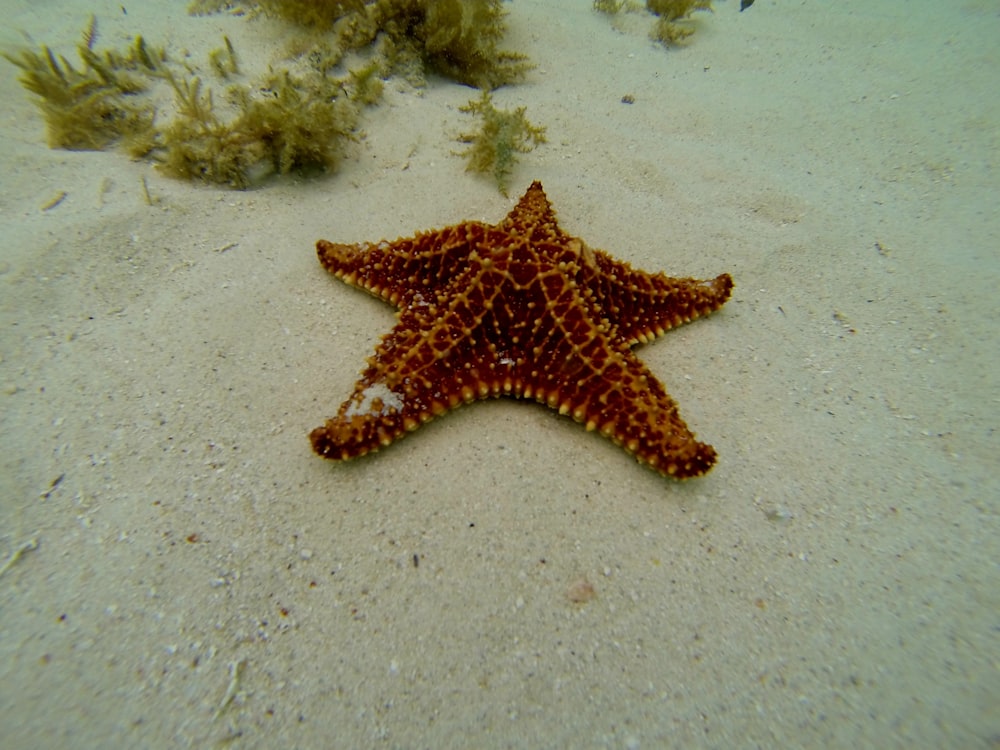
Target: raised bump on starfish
(521, 309)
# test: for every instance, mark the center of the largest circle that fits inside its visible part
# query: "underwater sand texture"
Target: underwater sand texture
(184, 571)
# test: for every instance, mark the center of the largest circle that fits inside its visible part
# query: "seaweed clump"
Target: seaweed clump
(671, 27)
(281, 124)
(316, 14)
(613, 7)
(89, 108)
(299, 116)
(456, 38)
(673, 24)
(502, 135)
(289, 124)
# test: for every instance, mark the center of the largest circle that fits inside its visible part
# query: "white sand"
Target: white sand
(832, 582)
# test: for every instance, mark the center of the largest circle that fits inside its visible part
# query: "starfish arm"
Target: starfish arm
(625, 402)
(399, 271)
(571, 363)
(425, 366)
(643, 306)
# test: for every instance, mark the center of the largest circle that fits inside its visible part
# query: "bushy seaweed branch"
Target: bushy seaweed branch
(502, 135)
(284, 125)
(670, 27)
(457, 38)
(672, 24)
(84, 109)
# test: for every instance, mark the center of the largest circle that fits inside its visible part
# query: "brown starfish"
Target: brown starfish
(522, 309)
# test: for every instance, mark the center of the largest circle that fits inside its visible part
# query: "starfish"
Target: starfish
(522, 309)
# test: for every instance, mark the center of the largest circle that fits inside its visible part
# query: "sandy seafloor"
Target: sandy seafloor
(832, 582)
